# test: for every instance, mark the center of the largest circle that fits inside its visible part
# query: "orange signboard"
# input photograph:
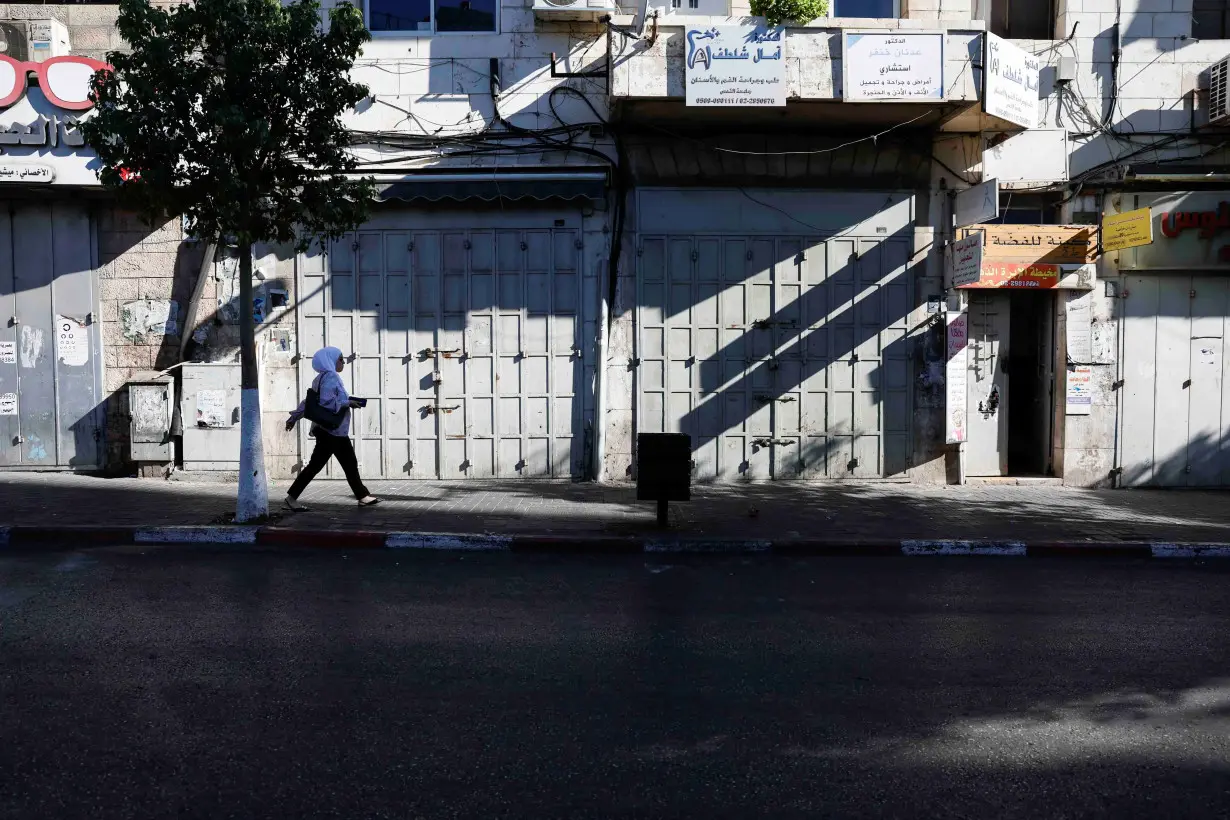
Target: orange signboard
(1016, 275)
(1043, 244)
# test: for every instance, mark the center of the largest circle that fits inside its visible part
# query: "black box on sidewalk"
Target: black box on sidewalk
(663, 467)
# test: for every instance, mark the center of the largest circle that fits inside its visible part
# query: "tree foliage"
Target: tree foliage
(229, 112)
(777, 12)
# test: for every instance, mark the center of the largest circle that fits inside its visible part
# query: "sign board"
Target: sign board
(1191, 231)
(956, 375)
(8, 352)
(1011, 83)
(27, 172)
(966, 259)
(735, 66)
(977, 204)
(1043, 244)
(1033, 156)
(1127, 230)
(1080, 391)
(1016, 275)
(892, 66)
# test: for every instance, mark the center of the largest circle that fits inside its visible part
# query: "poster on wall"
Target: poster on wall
(967, 260)
(8, 352)
(1011, 83)
(892, 66)
(735, 66)
(1080, 391)
(955, 377)
(8, 404)
(72, 341)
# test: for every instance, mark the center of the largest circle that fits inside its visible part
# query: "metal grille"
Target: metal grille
(1219, 95)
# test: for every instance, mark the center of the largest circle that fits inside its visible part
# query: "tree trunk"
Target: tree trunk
(253, 484)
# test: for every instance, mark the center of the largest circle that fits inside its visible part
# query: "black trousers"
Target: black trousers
(327, 446)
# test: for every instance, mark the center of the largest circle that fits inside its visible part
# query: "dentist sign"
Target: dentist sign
(736, 66)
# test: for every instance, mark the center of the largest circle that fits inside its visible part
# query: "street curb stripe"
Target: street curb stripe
(1190, 550)
(447, 541)
(196, 535)
(1008, 548)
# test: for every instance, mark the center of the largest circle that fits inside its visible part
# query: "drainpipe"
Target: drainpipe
(600, 387)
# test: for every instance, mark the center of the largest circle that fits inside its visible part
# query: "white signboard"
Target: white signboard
(892, 66)
(8, 352)
(1011, 78)
(1037, 155)
(72, 341)
(977, 204)
(955, 377)
(1079, 327)
(967, 260)
(736, 66)
(27, 172)
(8, 404)
(1080, 391)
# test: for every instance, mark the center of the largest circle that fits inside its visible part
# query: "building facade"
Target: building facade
(596, 220)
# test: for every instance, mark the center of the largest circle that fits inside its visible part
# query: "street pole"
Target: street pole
(253, 502)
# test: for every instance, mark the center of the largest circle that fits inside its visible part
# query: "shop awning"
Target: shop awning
(492, 187)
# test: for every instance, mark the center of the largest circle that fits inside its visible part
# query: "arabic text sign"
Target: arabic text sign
(1044, 244)
(1018, 275)
(967, 260)
(955, 377)
(44, 132)
(1127, 230)
(1080, 391)
(1011, 78)
(893, 65)
(26, 172)
(736, 66)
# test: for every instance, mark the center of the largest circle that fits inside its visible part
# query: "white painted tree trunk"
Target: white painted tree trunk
(253, 483)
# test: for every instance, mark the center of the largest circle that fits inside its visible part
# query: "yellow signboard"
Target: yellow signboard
(1127, 230)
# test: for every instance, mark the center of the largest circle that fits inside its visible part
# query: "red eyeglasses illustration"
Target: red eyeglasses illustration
(65, 81)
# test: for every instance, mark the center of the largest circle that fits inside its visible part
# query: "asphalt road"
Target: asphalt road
(175, 683)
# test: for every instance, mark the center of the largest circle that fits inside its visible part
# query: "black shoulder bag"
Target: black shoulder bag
(313, 412)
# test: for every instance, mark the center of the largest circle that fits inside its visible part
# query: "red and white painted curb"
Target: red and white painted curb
(77, 537)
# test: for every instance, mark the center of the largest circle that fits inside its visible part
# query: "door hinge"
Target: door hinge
(438, 408)
(14, 321)
(1115, 385)
(852, 465)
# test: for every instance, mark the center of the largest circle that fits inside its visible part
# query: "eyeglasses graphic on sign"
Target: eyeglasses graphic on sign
(65, 81)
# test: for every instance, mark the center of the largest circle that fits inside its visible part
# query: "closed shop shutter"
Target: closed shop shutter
(1175, 421)
(466, 341)
(783, 356)
(50, 373)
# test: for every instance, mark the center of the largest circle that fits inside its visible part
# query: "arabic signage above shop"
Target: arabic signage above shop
(1191, 231)
(1011, 83)
(893, 66)
(27, 172)
(1127, 230)
(736, 66)
(1039, 257)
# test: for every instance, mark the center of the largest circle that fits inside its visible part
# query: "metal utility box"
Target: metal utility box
(663, 469)
(209, 409)
(151, 403)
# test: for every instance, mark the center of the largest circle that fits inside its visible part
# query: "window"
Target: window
(1019, 19)
(428, 16)
(866, 8)
(1211, 19)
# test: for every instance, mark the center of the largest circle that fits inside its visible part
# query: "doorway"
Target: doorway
(1010, 398)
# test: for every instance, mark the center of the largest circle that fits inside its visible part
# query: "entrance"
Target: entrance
(1010, 397)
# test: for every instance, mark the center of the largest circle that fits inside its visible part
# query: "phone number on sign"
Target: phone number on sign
(735, 101)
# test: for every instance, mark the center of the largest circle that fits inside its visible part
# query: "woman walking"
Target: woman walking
(328, 362)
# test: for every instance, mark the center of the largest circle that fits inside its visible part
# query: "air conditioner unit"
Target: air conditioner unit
(568, 10)
(48, 38)
(1219, 93)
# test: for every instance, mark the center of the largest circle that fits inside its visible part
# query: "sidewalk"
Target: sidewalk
(849, 514)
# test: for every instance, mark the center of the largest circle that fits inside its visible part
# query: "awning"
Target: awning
(491, 187)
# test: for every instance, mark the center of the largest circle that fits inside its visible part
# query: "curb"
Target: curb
(78, 537)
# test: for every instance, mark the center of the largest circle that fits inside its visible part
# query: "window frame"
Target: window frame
(833, 13)
(1223, 11)
(391, 34)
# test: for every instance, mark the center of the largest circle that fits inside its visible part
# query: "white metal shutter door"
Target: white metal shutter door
(1140, 375)
(10, 426)
(1207, 448)
(776, 354)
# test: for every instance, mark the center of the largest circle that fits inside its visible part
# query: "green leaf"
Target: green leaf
(230, 111)
(777, 12)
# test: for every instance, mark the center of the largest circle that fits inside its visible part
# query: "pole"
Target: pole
(253, 500)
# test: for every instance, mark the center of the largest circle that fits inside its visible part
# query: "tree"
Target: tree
(228, 112)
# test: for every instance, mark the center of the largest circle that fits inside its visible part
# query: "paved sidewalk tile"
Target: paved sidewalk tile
(787, 510)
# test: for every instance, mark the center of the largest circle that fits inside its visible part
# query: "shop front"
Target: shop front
(1012, 345)
(50, 345)
(1174, 428)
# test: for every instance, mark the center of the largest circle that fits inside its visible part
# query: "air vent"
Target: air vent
(1219, 92)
